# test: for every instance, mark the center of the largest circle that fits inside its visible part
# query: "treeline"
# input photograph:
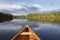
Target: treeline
(20, 17)
(44, 17)
(5, 17)
(57, 17)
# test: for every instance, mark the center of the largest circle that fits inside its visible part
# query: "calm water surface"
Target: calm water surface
(46, 31)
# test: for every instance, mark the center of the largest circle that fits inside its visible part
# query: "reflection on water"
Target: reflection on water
(47, 31)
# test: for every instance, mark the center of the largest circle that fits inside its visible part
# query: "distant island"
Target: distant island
(19, 17)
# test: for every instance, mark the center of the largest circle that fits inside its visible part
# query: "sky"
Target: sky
(29, 5)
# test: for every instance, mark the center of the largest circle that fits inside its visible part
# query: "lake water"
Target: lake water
(46, 31)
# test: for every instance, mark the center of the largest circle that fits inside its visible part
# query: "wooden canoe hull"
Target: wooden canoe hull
(26, 34)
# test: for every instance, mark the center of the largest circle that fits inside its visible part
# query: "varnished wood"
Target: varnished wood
(26, 34)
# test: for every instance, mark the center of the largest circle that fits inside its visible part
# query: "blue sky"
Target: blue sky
(30, 5)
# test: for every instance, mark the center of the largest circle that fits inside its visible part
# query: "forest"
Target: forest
(44, 17)
(5, 17)
(53, 17)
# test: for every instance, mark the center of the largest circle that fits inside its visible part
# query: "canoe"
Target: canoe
(26, 34)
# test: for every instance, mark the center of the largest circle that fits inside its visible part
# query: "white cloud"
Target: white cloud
(21, 8)
(38, 6)
(10, 6)
(16, 6)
